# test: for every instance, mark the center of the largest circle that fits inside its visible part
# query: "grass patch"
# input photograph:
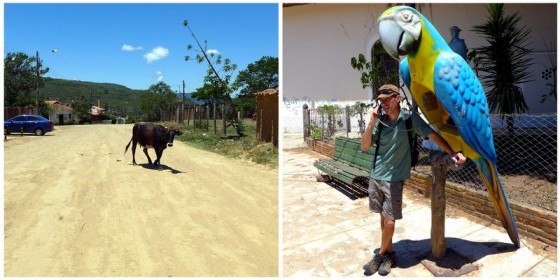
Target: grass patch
(230, 145)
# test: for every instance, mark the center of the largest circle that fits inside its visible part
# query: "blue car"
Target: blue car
(30, 124)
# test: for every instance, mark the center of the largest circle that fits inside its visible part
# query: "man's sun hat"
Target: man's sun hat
(386, 90)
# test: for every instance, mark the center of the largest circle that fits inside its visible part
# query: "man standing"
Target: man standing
(391, 167)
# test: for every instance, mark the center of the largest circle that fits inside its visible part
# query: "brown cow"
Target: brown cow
(150, 135)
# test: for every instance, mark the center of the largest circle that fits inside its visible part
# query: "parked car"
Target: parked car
(30, 124)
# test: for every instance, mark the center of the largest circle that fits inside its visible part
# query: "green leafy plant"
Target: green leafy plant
(380, 70)
(315, 132)
(329, 111)
(502, 64)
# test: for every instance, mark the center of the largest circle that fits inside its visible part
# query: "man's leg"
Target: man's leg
(376, 198)
(393, 211)
(387, 231)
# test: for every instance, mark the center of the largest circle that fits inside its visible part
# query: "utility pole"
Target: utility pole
(38, 76)
(37, 83)
(183, 107)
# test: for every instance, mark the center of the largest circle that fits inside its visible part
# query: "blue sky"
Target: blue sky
(137, 45)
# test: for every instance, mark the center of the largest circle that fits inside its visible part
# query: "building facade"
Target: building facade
(320, 39)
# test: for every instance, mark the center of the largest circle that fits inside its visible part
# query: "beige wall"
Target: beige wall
(319, 40)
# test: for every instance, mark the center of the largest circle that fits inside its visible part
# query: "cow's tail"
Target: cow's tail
(126, 149)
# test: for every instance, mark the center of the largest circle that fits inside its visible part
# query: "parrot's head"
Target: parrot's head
(400, 29)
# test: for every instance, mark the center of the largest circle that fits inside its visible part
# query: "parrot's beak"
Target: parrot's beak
(391, 35)
(395, 39)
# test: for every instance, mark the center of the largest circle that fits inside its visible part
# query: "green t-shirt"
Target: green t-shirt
(393, 157)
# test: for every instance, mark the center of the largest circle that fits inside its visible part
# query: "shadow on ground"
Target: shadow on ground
(160, 167)
(358, 189)
(459, 258)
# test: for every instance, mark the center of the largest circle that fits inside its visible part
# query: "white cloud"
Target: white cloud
(156, 54)
(129, 48)
(159, 76)
(212, 52)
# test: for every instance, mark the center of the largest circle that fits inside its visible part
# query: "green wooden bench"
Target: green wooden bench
(349, 164)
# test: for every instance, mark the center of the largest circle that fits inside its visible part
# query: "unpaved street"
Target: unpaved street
(74, 205)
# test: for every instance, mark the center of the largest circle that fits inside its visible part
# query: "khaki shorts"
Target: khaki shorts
(386, 198)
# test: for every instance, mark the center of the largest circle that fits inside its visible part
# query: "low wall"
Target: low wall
(533, 223)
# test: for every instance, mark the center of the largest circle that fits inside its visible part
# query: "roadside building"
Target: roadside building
(61, 113)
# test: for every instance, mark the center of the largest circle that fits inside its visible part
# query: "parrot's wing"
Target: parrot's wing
(461, 94)
(405, 72)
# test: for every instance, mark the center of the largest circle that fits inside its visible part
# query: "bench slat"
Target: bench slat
(349, 161)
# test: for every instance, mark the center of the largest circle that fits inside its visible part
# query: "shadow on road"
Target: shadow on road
(160, 167)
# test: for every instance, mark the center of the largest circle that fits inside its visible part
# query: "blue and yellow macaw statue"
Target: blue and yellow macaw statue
(449, 95)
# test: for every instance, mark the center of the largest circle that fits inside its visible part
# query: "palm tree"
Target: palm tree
(503, 63)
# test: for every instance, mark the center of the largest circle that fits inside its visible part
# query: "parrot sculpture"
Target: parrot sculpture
(449, 95)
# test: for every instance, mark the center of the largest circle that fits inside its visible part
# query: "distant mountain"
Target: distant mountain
(188, 96)
(113, 97)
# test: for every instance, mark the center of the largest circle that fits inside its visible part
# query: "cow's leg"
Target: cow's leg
(148, 156)
(159, 152)
(133, 152)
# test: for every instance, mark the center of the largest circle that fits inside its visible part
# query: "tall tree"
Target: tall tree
(20, 80)
(503, 63)
(259, 76)
(220, 81)
(157, 100)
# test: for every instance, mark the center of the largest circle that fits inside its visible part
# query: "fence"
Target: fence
(10, 112)
(211, 117)
(529, 149)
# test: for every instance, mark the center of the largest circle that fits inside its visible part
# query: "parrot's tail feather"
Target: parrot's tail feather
(496, 192)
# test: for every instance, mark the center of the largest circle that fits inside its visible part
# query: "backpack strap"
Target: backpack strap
(412, 141)
(379, 130)
(408, 123)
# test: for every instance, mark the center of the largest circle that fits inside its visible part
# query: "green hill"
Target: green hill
(116, 98)
(113, 97)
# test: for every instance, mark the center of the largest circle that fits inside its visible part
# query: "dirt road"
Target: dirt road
(74, 205)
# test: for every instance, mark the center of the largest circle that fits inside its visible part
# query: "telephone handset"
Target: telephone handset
(379, 111)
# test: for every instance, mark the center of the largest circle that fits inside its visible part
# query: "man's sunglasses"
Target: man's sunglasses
(386, 90)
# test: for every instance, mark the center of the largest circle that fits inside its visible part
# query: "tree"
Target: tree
(380, 70)
(20, 80)
(208, 93)
(503, 63)
(81, 107)
(157, 100)
(259, 76)
(213, 76)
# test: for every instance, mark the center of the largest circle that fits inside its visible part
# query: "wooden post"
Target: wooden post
(347, 115)
(178, 112)
(188, 114)
(214, 114)
(224, 119)
(207, 116)
(440, 162)
(306, 132)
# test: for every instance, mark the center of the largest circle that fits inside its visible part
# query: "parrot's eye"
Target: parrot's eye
(406, 16)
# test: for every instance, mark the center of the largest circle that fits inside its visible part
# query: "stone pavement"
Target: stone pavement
(328, 231)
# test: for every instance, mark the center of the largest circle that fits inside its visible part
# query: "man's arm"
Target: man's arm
(458, 158)
(366, 137)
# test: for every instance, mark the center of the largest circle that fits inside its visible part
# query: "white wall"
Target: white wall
(320, 39)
